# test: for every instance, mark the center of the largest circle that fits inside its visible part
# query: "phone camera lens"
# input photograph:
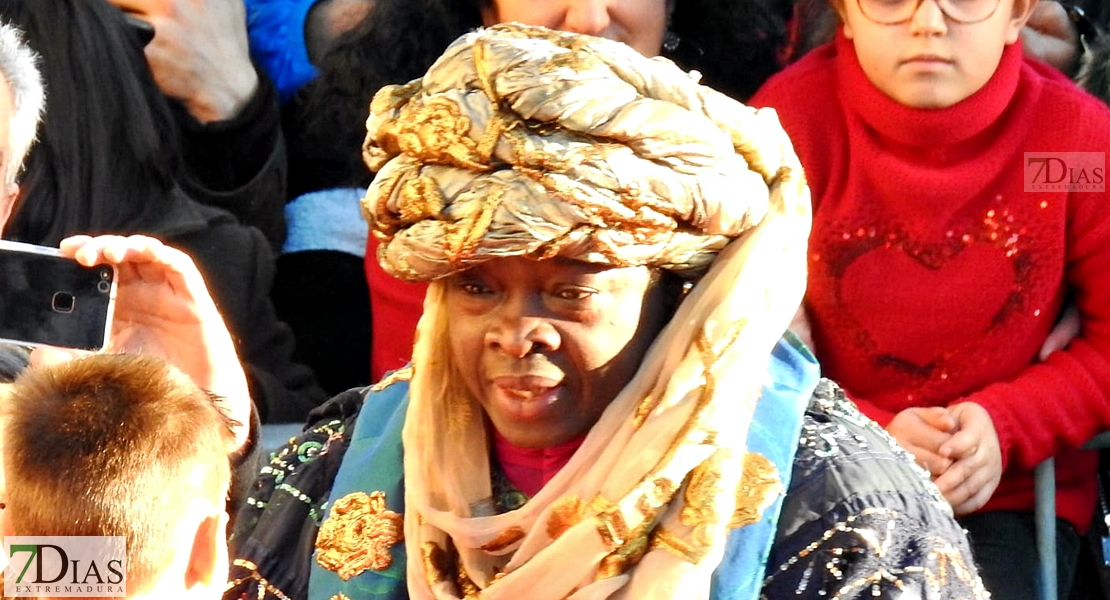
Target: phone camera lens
(63, 302)
(105, 274)
(103, 287)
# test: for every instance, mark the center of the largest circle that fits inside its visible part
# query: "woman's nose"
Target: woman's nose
(590, 17)
(521, 329)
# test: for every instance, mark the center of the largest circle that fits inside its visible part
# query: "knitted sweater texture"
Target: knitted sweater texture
(936, 273)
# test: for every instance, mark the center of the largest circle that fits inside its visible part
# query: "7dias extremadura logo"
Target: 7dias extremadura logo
(60, 567)
(1065, 171)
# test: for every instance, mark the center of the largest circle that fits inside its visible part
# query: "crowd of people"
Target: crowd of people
(612, 298)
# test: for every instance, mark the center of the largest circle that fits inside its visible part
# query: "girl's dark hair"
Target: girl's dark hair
(733, 43)
(106, 159)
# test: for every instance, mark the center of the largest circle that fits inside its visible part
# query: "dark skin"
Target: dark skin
(545, 346)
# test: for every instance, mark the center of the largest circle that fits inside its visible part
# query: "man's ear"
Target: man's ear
(208, 562)
(1019, 15)
(7, 203)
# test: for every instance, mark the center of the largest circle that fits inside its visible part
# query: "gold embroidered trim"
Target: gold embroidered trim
(700, 511)
(664, 540)
(660, 493)
(402, 374)
(627, 556)
(566, 512)
(504, 539)
(264, 586)
(435, 562)
(759, 486)
(468, 588)
(358, 535)
(613, 529)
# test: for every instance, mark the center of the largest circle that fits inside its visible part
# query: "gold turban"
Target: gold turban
(520, 141)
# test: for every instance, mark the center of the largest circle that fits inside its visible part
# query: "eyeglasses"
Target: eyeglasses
(896, 12)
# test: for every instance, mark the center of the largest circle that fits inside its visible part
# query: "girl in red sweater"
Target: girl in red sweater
(942, 251)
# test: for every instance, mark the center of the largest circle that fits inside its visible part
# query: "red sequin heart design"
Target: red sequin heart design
(918, 314)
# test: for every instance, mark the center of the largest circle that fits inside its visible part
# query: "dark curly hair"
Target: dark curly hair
(733, 43)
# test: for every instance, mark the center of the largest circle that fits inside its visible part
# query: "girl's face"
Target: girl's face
(932, 61)
(638, 23)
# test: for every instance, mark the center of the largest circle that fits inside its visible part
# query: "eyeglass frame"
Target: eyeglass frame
(917, 6)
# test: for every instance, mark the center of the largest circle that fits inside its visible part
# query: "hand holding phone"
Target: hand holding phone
(163, 309)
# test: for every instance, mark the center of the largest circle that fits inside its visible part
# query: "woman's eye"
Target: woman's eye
(574, 293)
(473, 288)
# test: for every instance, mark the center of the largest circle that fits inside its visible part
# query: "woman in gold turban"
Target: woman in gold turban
(600, 403)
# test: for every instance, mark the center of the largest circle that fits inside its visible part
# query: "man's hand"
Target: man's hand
(973, 477)
(1051, 36)
(163, 309)
(923, 431)
(200, 55)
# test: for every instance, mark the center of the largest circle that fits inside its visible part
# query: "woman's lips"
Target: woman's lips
(525, 397)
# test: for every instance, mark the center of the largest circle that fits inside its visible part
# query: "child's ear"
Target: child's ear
(838, 8)
(208, 557)
(1019, 15)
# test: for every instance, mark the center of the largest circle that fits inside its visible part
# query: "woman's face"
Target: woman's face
(545, 346)
(638, 23)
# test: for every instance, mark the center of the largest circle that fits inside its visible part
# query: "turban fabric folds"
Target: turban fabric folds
(518, 143)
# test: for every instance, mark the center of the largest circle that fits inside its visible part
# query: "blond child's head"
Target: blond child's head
(122, 445)
(931, 53)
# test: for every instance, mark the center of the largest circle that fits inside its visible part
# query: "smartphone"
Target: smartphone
(49, 299)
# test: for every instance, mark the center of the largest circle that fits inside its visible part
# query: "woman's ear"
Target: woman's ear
(489, 14)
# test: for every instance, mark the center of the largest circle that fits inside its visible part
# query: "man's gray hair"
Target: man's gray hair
(19, 67)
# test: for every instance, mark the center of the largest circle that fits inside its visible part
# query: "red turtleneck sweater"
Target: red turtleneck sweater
(935, 277)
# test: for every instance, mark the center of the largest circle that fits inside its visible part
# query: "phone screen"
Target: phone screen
(46, 298)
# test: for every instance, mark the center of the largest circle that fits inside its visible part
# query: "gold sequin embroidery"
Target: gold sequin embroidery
(660, 492)
(358, 535)
(504, 539)
(700, 511)
(758, 488)
(403, 374)
(661, 539)
(565, 513)
(435, 562)
(627, 556)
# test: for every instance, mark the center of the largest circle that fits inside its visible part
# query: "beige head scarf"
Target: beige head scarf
(520, 141)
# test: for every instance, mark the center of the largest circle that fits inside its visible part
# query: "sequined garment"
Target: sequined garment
(860, 520)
